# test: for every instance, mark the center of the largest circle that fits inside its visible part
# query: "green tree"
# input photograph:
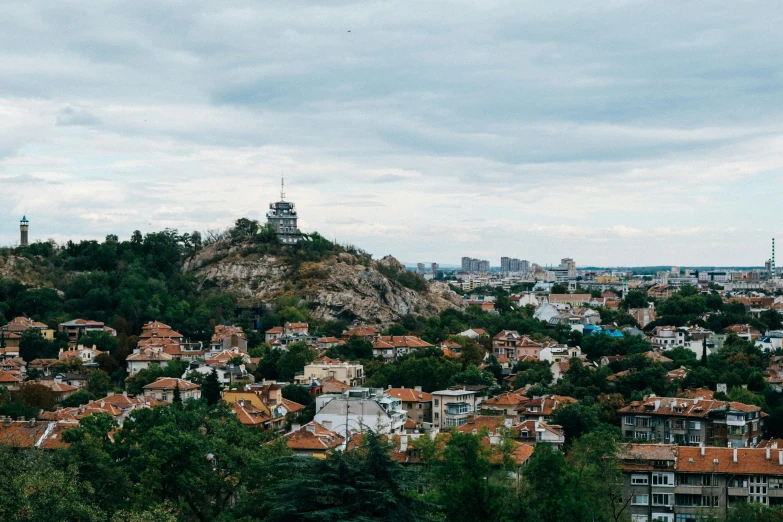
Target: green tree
(33, 345)
(294, 359)
(211, 389)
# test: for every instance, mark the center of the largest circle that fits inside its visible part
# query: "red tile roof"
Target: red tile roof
(409, 395)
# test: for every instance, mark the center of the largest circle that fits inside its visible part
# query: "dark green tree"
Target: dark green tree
(210, 390)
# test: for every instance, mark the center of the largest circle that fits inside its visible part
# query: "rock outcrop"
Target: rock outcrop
(343, 287)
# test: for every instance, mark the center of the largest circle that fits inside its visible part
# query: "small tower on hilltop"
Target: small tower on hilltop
(283, 218)
(24, 226)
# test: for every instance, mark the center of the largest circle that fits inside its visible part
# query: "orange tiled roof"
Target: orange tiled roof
(409, 395)
(169, 383)
(506, 399)
(313, 437)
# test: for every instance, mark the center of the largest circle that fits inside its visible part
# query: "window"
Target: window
(164, 396)
(436, 402)
(709, 501)
(694, 439)
(628, 420)
(663, 479)
(694, 425)
(662, 499)
(643, 422)
(640, 500)
(639, 480)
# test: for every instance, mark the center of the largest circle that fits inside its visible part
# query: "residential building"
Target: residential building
(660, 291)
(643, 316)
(350, 373)
(686, 421)
(528, 432)
(144, 357)
(569, 299)
(261, 405)
(78, 327)
(681, 483)
(361, 409)
(559, 353)
(508, 346)
(163, 389)
(543, 408)
(227, 374)
(474, 333)
(312, 440)
(368, 333)
(85, 354)
(504, 405)
(450, 408)
(227, 337)
(281, 336)
(416, 403)
(666, 337)
(18, 325)
(393, 347)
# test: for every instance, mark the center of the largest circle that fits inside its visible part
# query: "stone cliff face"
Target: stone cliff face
(343, 287)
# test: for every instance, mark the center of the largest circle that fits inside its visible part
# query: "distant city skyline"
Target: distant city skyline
(614, 133)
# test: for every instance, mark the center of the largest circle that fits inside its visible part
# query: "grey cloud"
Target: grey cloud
(71, 116)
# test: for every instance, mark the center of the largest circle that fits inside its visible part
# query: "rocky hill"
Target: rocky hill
(347, 287)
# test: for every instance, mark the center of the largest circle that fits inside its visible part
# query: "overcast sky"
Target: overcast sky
(613, 132)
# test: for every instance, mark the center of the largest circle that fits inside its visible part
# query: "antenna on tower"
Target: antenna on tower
(772, 264)
(282, 188)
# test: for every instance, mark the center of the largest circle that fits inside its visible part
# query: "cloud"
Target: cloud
(71, 116)
(429, 131)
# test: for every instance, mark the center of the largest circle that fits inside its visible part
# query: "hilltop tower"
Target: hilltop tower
(24, 226)
(282, 217)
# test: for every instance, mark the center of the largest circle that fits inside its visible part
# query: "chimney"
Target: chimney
(735, 455)
(21, 419)
(471, 419)
(32, 423)
(7, 421)
(417, 388)
(702, 451)
(780, 457)
(768, 453)
(295, 427)
(310, 428)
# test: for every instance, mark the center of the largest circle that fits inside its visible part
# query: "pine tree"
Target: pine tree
(211, 388)
(177, 397)
(704, 351)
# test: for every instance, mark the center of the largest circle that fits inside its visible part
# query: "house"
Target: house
(368, 333)
(416, 403)
(657, 357)
(674, 420)
(312, 440)
(674, 482)
(510, 345)
(588, 315)
(273, 334)
(745, 331)
(85, 354)
(346, 372)
(17, 325)
(227, 374)
(660, 291)
(29, 434)
(361, 409)
(143, 358)
(542, 408)
(78, 327)
(10, 380)
(666, 337)
(450, 408)
(59, 389)
(393, 347)
(324, 343)
(163, 389)
(474, 333)
(643, 316)
(528, 432)
(560, 353)
(158, 330)
(265, 398)
(568, 299)
(43, 365)
(678, 374)
(228, 338)
(504, 404)
(546, 312)
(606, 360)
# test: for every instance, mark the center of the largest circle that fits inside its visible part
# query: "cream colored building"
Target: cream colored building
(349, 373)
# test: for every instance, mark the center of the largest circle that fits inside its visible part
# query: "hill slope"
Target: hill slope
(345, 287)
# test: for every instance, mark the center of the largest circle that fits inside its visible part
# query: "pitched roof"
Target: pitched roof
(506, 399)
(404, 341)
(409, 395)
(169, 383)
(313, 437)
(7, 377)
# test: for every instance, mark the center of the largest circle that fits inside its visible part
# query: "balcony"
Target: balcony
(737, 492)
(775, 493)
(688, 489)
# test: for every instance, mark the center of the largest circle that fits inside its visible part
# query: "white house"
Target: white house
(360, 410)
(546, 312)
(450, 408)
